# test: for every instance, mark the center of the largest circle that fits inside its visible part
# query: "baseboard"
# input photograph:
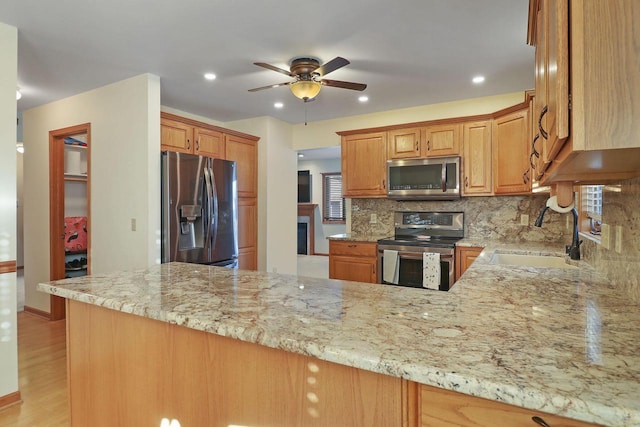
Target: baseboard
(10, 400)
(36, 312)
(318, 253)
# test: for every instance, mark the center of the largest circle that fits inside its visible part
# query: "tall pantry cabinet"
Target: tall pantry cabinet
(69, 207)
(191, 136)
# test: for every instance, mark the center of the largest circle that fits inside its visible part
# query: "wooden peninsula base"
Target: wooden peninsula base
(130, 370)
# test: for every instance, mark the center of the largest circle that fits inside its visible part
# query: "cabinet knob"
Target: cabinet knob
(198, 145)
(417, 145)
(428, 145)
(188, 144)
(466, 181)
(543, 132)
(384, 185)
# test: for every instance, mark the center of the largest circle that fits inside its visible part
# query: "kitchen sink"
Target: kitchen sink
(531, 260)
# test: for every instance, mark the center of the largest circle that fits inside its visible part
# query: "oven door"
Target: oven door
(410, 271)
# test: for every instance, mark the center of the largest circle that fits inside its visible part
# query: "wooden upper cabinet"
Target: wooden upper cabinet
(552, 78)
(511, 151)
(405, 143)
(244, 152)
(442, 140)
(476, 159)
(586, 69)
(432, 141)
(209, 143)
(176, 136)
(364, 172)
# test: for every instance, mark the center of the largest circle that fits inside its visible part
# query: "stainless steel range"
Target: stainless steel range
(415, 234)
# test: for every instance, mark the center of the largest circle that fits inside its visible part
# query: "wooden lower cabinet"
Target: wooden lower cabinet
(465, 255)
(128, 370)
(440, 408)
(356, 261)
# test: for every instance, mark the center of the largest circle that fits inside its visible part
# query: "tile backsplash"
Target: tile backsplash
(491, 218)
(621, 211)
(499, 218)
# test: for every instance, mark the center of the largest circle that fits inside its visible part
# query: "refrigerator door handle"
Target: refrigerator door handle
(215, 208)
(207, 203)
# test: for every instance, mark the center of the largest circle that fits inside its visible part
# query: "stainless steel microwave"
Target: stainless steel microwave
(436, 178)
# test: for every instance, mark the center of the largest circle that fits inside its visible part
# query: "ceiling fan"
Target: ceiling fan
(308, 74)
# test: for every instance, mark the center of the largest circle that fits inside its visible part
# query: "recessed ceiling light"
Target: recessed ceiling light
(278, 105)
(300, 155)
(210, 76)
(478, 79)
(363, 98)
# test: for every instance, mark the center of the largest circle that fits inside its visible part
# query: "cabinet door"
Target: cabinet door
(209, 143)
(465, 257)
(364, 165)
(556, 33)
(247, 234)
(442, 140)
(476, 145)
(176, 136)
(357, 269)
(404, 143)
(510, 146)
(245, 153)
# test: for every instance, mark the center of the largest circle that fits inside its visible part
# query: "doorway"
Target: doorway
(69, 207)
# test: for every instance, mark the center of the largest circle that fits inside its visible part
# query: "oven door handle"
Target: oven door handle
(418, 255)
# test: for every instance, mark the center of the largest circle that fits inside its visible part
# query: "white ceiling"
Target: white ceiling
(409, 52)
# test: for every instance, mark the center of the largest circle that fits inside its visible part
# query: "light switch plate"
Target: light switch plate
(619, 239)
(605, 236)
(373, 219)
(524, 219)
(133, 224)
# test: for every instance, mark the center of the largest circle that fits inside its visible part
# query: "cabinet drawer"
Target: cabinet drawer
(353, 248)
(446, 408)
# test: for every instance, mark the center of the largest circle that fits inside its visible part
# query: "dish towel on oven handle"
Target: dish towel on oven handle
(390, 267)
(431, 270)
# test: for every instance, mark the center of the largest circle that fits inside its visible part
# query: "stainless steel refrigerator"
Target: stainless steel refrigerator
(199, 210)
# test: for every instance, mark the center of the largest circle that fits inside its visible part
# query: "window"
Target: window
(332, 200)
(590, 209)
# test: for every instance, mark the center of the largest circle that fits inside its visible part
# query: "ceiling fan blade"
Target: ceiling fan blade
(343, 85)
(334, 64)
(273, 68)
(269, 87)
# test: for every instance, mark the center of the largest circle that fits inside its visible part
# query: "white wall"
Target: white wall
(322, 231)
(277, 189)
(125, 178)
(8, 303)
(323, 133)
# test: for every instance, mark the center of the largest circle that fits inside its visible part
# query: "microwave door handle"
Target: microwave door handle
(444, 177)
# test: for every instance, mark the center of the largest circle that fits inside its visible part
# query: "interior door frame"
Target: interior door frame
(56, 209)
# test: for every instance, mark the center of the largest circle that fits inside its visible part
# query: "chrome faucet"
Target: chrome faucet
(574, 249)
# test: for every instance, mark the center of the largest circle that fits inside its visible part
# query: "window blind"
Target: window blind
(592, 201)
(332, 200)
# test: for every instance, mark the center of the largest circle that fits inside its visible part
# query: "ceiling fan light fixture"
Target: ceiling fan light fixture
(305, 89)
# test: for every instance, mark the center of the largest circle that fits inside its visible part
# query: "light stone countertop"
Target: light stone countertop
(562, 341)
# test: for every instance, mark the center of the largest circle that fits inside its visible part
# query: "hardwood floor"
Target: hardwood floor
(42, 366)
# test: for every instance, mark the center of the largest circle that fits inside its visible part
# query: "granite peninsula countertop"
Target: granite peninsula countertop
(563, 341)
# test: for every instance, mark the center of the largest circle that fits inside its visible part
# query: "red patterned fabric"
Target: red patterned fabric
(75, 234)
